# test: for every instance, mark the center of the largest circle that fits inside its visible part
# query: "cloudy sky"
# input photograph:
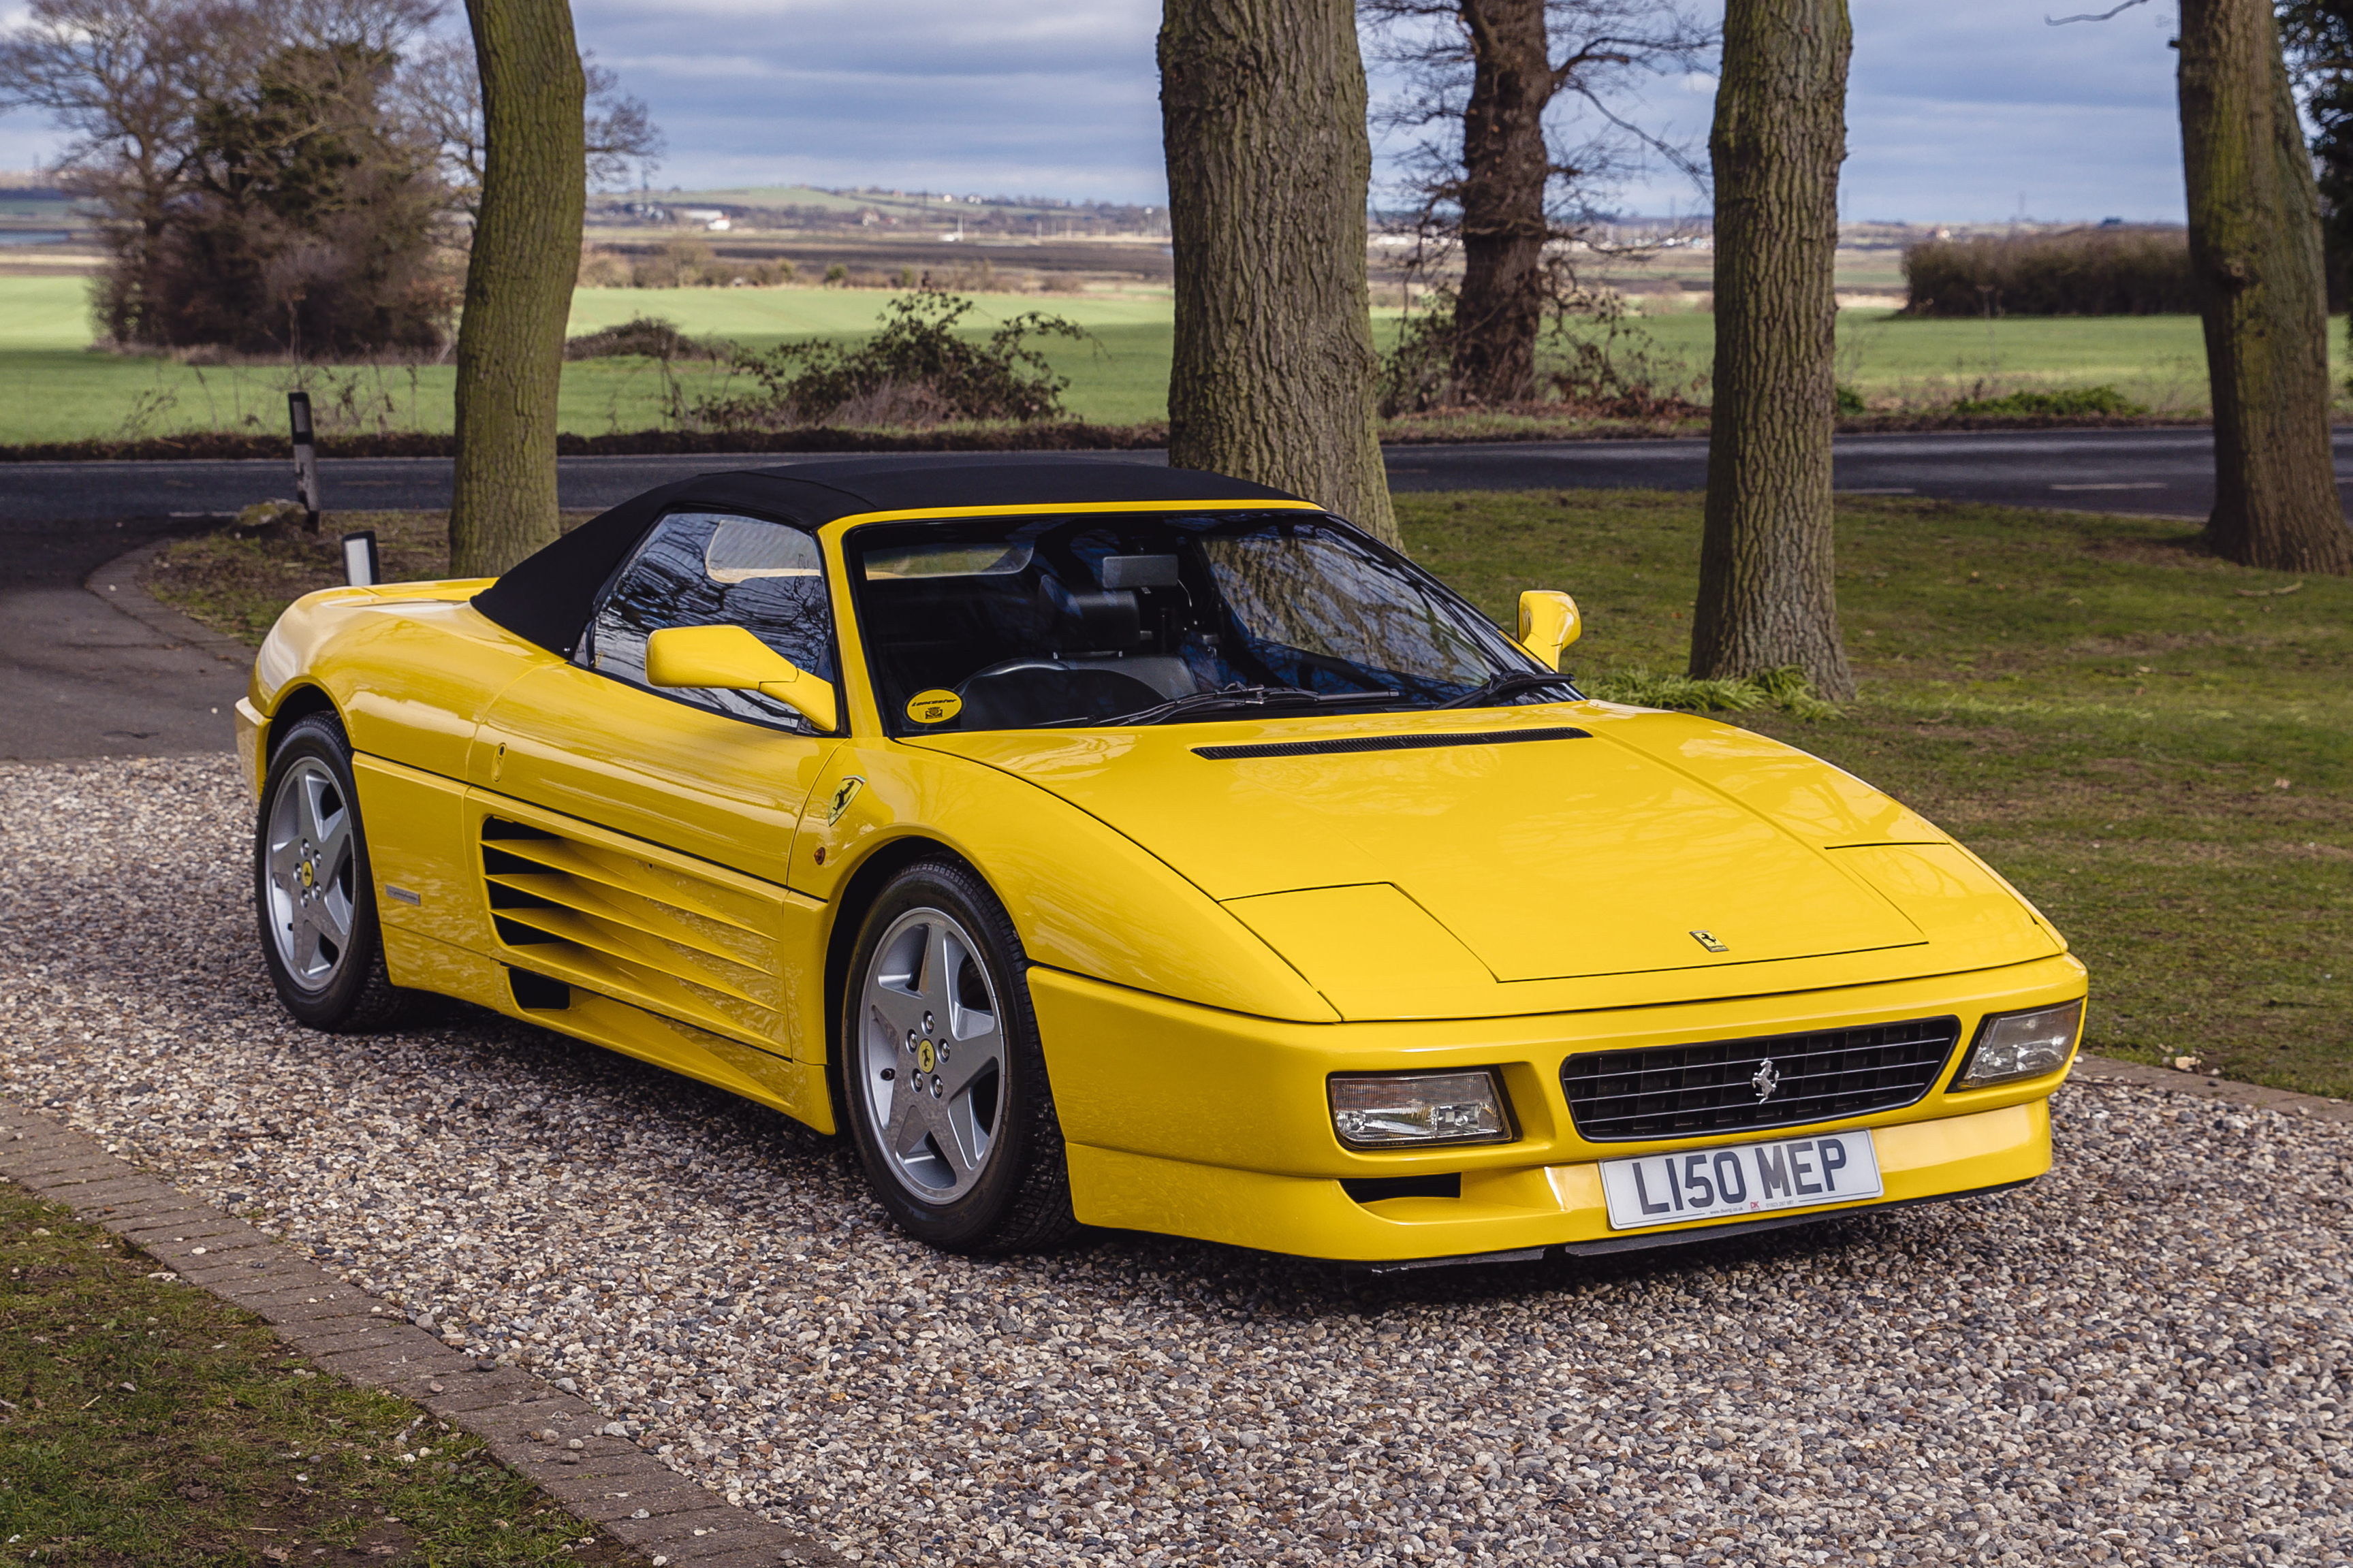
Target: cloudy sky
(1958, 111)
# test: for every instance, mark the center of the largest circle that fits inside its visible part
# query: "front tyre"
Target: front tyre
(943, 1071)
(312, 891)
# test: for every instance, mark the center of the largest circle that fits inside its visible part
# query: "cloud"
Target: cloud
(1954, 109)
(1954, 112)
(1048, 97)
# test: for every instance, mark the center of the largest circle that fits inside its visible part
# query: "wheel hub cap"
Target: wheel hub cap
(933, 1055)
(310, 874)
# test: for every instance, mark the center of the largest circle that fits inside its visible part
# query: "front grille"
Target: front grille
(1684, 1092)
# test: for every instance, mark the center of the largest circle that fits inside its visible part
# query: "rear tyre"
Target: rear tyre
(313, 893)
(942, 1069)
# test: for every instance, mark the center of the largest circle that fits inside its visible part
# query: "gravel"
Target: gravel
(2142, 1358)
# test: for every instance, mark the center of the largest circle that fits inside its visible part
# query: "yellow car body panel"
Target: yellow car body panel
(1212, 938)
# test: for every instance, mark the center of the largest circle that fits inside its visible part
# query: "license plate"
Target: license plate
(1744, 1178)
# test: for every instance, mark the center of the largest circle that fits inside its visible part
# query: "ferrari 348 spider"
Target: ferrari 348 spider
(1104, 845)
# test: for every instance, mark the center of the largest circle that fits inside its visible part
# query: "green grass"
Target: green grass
(1894, 360)
(2156, 757)
(52, 391)
(2156, 746)
(147, 1421)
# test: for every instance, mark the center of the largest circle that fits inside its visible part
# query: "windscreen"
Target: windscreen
(1021, 623)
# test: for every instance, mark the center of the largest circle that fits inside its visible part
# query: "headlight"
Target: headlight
(2012, 1046)
(1390, 1111)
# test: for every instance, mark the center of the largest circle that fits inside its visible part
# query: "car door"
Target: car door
(637, 841)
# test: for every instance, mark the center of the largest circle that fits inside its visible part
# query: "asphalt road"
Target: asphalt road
(2168, 471)
(91, 668)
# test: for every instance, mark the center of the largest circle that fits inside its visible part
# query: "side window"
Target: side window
(702, 569)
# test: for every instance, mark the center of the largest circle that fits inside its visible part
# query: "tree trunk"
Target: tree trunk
(1262, 104)
(517, 282)
(1505, 164)
(2254, 245)
(1767, 591)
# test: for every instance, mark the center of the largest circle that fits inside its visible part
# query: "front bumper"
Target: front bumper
(1192, 1122)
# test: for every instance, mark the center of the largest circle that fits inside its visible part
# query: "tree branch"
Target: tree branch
(2093, 16)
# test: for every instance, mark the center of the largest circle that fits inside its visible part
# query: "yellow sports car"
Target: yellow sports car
(1104, 845)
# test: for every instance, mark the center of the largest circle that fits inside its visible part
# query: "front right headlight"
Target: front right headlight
(2014, 1046)
(1410, 1110)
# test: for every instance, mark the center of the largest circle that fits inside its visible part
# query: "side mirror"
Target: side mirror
(1548, 623)
(731, 659)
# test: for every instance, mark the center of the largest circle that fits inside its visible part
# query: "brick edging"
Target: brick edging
(2199, 1085)
(346, 1331)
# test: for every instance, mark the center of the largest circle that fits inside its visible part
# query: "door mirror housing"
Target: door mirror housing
(730, 659)
(1548, 623)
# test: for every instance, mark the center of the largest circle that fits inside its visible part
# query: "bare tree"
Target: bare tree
(2255, 247)
(1262, 109)
(2254, 244)
(519, 281)
(1768, 588)
(125, 80)
(231, 134)
(444, 94)
(1496, 176)
(2316, 37)
(315, 225)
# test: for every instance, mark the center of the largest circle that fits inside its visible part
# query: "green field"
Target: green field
(1893, 359)
(52, 390)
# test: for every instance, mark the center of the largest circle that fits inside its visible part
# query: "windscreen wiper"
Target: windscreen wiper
(1508, 684)
(1228, 697)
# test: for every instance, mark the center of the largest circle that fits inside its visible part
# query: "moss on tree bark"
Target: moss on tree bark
(1768, 595)
(1273, 380)
(2254, 246)
(519, 278)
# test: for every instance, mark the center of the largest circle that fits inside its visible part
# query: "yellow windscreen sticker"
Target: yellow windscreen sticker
(933, 707)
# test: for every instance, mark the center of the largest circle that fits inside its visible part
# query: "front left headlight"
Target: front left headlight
(2014, 1046)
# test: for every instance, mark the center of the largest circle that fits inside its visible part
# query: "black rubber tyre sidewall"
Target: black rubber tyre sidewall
(359, 997)
(1022, 1198)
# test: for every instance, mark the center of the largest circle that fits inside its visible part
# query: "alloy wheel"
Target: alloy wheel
(932, 1053)
(311, 874)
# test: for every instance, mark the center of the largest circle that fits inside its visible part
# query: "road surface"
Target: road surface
(2168, 472)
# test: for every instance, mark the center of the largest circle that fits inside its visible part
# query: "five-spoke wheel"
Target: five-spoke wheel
(932, 1054)
(307, 888)
(947, 1087)
(312, 891)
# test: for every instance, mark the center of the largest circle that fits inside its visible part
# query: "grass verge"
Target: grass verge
(238, 583)
(146, 1421)
(2156, 746)
(1910, 372)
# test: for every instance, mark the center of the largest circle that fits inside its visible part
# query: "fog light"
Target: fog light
(1390, 1111)
(2014, 1046)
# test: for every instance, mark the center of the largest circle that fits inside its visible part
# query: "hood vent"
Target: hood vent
(1422, 743)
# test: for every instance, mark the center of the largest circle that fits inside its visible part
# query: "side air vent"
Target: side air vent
(1426, 743)
(585, 914)
(537, 993)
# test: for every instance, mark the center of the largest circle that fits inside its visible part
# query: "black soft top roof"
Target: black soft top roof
(547, 597)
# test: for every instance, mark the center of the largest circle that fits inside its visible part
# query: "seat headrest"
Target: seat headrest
(1094, 620)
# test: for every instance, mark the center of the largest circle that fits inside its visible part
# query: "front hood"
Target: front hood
(1650, 842)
